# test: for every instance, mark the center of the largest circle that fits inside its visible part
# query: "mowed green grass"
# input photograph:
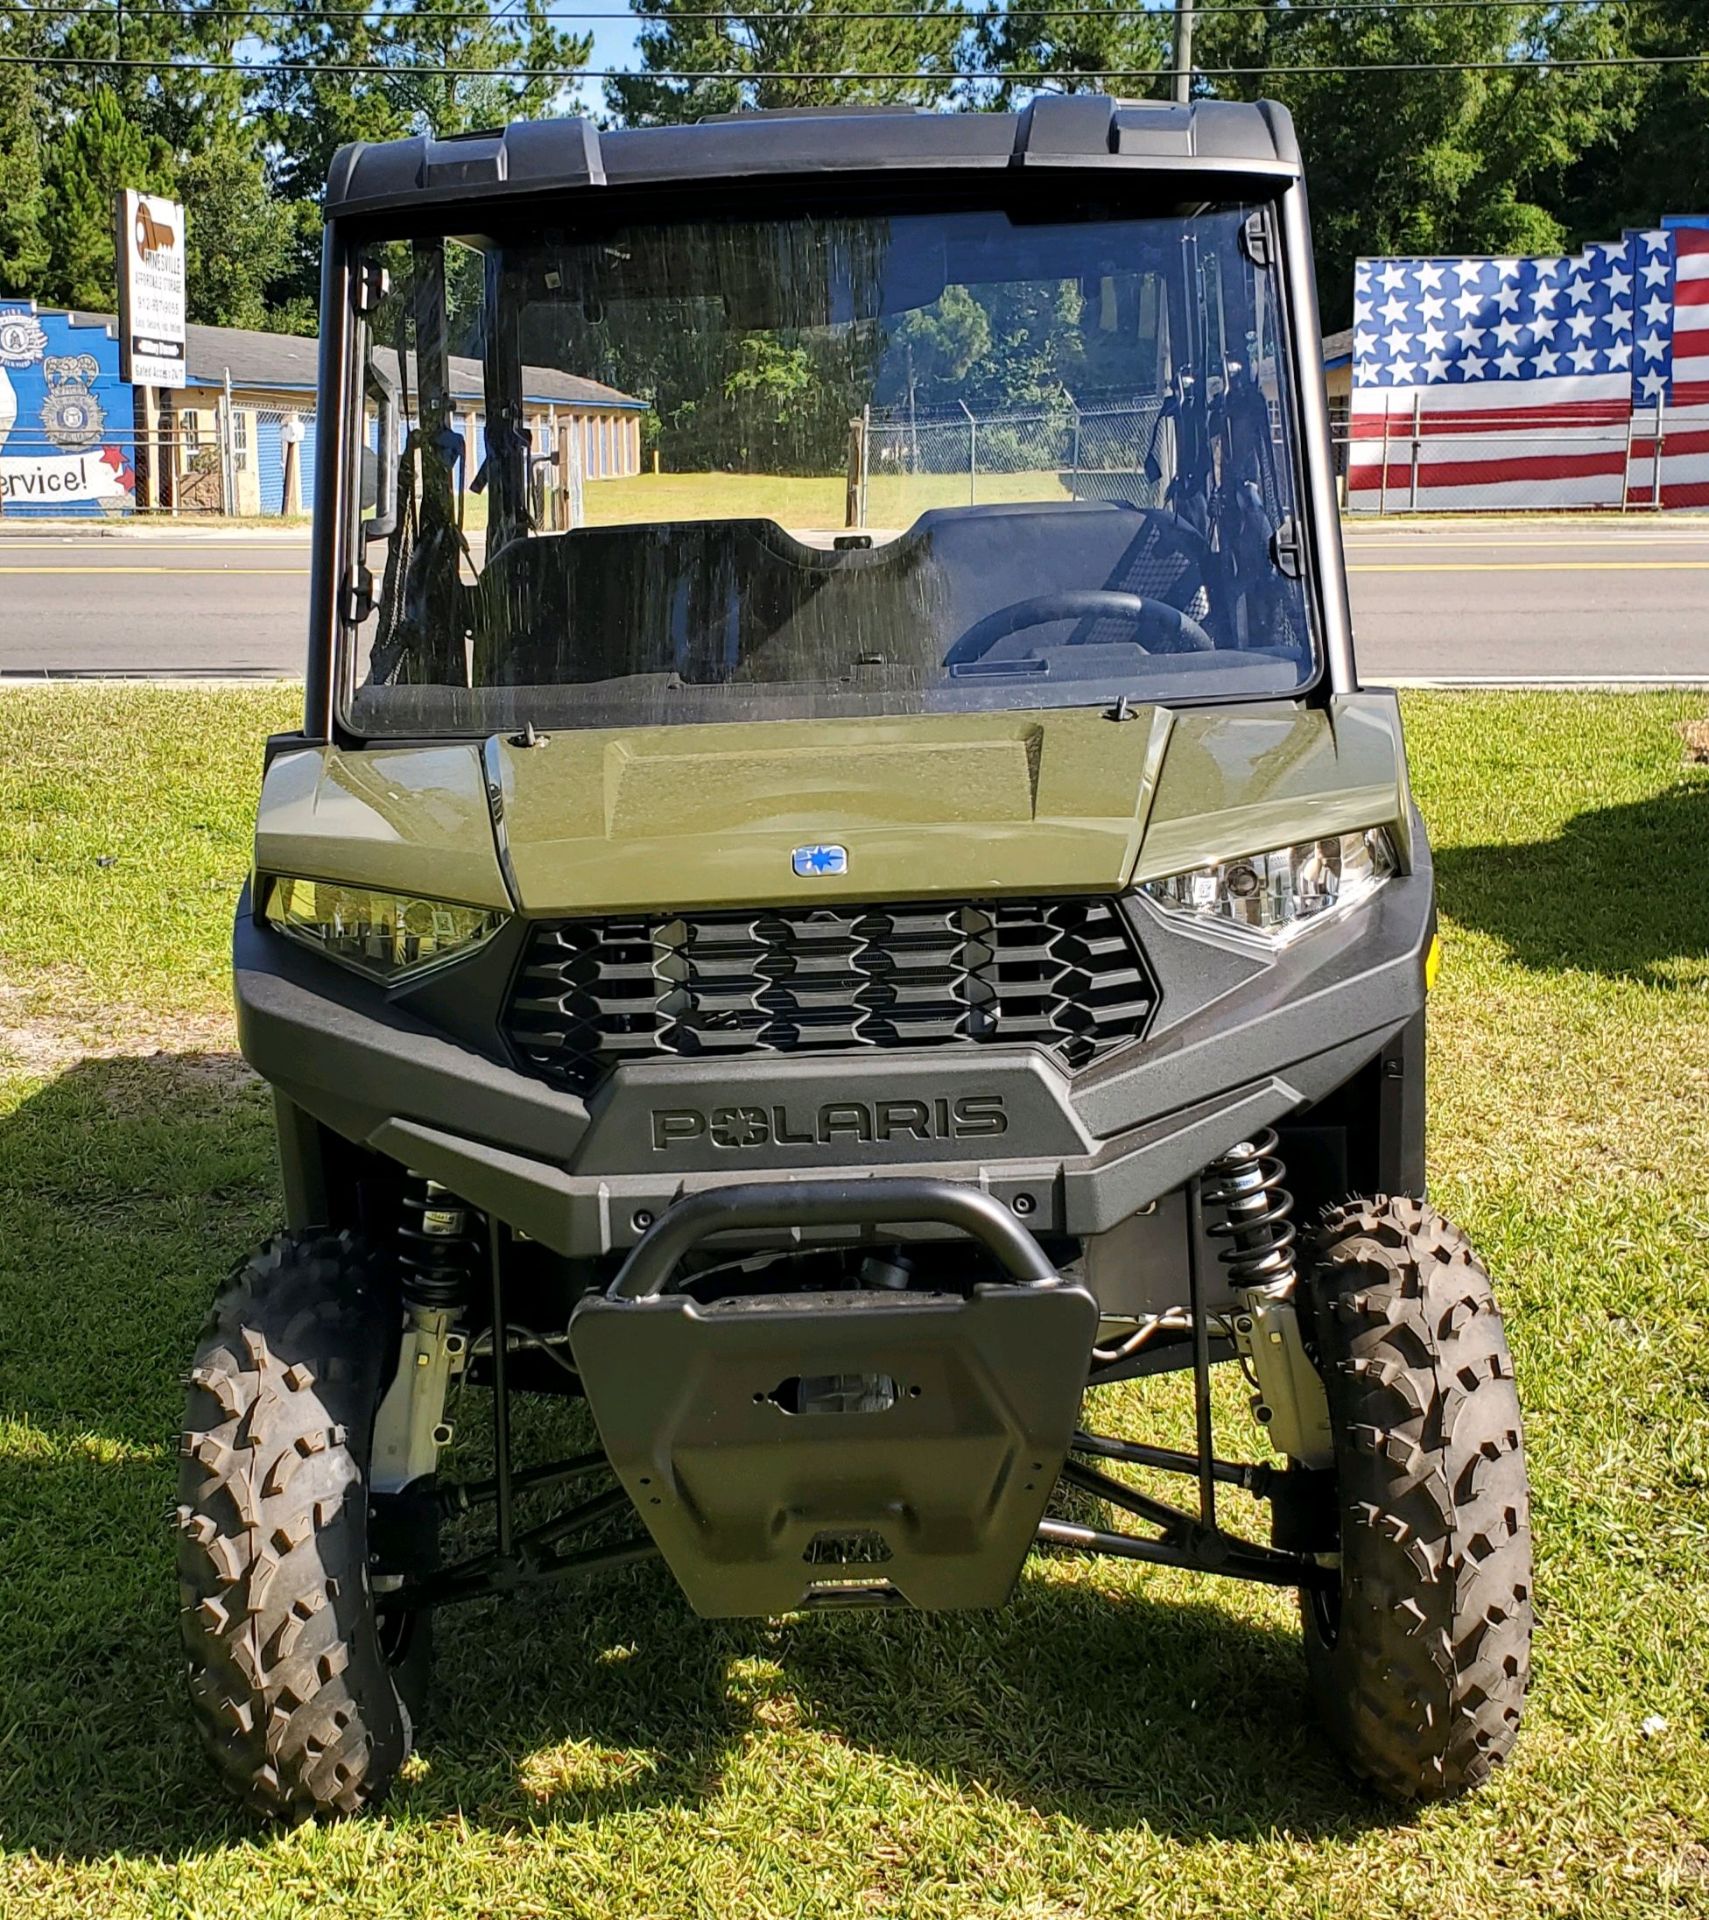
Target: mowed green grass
(804, 500)
(1119, 1741)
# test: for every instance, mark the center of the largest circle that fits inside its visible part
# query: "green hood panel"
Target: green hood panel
(1240, 780)
(409, 819)
(703, 816)
(946, 806)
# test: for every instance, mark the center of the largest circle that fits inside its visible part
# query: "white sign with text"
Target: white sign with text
(151, 289)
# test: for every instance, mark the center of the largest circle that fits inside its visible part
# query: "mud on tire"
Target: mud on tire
(1419, 1664)
(296, 1691)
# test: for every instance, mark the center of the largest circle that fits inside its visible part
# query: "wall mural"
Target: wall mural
(67, 439)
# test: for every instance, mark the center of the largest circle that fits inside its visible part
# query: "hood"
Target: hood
(1063, 802)
(703, 816)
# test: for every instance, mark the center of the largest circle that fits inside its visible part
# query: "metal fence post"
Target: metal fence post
(1656, 471)
(1383, 483)
(1074, 484)
(228, 450)
(972, 455)
(1412, 492)
(1626, 471)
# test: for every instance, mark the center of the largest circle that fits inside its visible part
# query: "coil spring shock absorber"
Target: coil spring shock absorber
(438, 1247)
(1245, 1187)
(439, 1251)
(1257, 1214)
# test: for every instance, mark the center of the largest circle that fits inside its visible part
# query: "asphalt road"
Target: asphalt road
(1536, 600)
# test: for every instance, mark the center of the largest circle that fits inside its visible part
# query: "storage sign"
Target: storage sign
(150, 241)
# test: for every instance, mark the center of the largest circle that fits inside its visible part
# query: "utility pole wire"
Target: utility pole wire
(382, 16)
(407, 69)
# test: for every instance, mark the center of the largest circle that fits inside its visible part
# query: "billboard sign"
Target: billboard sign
(150, 241)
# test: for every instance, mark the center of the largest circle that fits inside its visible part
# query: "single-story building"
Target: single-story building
(1338, 375)
(63, 407)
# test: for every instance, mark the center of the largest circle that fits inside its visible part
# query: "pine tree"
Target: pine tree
(1421, 158)
(23, 192)
(738, 50)
(100, 151)
(390, 72)
(1097, 36)
(239, 236)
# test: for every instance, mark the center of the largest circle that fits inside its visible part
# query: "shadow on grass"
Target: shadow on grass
(129, 1187)
(1619, 892)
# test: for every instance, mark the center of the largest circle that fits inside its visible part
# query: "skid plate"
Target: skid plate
(794, 1450)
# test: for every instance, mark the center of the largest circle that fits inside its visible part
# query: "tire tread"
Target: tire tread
(1424, 1684)
(289, 1685)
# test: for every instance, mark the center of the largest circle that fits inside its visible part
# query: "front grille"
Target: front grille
(591, 994)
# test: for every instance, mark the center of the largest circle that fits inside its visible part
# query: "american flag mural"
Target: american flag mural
(1578, 380)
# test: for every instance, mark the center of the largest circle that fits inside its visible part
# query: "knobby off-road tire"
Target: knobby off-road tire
(1419, 1664)
(303, 1692)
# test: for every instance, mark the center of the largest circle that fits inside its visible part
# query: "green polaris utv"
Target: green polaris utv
(838, 891)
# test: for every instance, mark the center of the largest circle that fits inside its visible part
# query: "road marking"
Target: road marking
(1557, 682)
(1417, 540)
(1528, 566)
(1354, 566)
(206, 573)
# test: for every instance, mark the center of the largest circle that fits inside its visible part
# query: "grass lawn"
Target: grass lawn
(1121, 1740)
(803, 500)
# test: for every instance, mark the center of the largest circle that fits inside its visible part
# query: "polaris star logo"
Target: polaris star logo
(819, 863)
(861, 1122)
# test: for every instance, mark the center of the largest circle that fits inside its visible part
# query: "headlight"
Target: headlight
(1277, 895)
(387, 936)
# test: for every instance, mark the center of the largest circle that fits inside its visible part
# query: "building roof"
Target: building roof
(1338, 347)
(1085, 130)
(289, 362)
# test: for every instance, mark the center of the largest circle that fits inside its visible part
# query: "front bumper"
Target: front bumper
(1241, 1040)
(847, 1448)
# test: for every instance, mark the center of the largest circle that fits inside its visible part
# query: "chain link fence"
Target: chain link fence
(903, 461)
(211, 457)
(1650, 459)
(207, 456)
(1645, 459)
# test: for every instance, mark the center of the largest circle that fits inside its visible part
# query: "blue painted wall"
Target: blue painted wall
(67, 421)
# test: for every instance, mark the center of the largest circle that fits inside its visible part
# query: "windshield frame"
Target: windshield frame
(340, 555)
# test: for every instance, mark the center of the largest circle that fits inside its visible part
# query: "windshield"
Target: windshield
(820, 464)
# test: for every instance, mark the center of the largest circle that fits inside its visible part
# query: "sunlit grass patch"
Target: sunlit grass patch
(1120, 1740)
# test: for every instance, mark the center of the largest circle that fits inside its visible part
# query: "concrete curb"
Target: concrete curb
(15, 529)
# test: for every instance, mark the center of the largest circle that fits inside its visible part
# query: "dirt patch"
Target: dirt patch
(196, 1050)
(1695, 734)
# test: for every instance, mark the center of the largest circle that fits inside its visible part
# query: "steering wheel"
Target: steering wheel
(1158, 627)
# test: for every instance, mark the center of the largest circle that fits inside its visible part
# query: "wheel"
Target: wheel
(304, 1689)
(1420, 1660)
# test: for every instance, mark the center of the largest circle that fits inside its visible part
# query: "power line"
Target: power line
(380, 16)
(421, 71)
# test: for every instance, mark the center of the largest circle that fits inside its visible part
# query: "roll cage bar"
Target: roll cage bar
(339, 573)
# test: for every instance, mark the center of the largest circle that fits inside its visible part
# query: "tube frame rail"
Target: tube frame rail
(828, 1203)
(529, 1555)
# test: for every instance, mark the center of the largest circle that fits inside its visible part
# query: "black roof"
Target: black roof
(1057, 130)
